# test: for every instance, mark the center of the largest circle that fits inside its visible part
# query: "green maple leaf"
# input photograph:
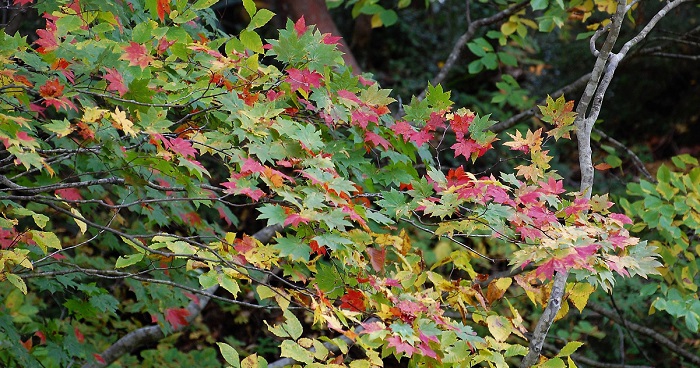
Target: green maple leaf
(479, 129)
(294, 248)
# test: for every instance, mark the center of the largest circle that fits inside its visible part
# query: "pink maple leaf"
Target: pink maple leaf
(362, 117)
(587, 251)
(177, 317)
(401, 346)
(372, 327)
(377, 140)
(498, 194)
(343, 93)
(466, 147)
(295, 219)
(614, 266)
(251, 166)
(425, 350)
(115, 81)
(303, 79)
(422, 137)
(136, 55)
(71, 194)
(48, 40)
(620, 219)
(182, 147)
(552, 186)
(300, 26)
(547, 269)
(22, 2)
(579, 205)
(404, 129)
(253, 194)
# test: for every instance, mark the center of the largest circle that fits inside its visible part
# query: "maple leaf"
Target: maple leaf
(343, 93)
(529, 172)
(620, 219)
(62, 65)
(317, 248)
(121, 122)
(136, 55)
(177, 317)
(71, 194)
(526, 144)
(162, 7)
(363, 117)
(251, 166)
(79, 335)
(579, 205)
(404, 129)
(468, 148)
(401, 346)
(410, 310)
(22, 2)
(427, 351)
(48, 41)
(353, 300)
(52, 92)
(295, 219)
(377, 257)
(303, 79)
(377, 140)
(116, 81)
(182, 147)
(300, 26)
(460, 123)
(329, 39)
(552, 186)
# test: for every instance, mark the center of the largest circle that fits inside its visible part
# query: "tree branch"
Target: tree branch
(593, 363)
(466, 37)
(150, 334)
(654, 335)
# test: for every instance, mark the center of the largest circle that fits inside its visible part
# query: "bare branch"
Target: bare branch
(593, 363)
(654, 335)
(545, 322)
(466, 37)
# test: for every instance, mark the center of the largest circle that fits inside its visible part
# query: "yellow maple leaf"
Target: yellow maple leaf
(121, 122)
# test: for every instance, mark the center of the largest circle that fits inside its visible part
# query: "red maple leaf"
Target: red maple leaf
(136, 55)
(251, 166)
(300, 26)
(99, 358)
(317, 248)
(71, 194)
(62, 65)
(329, 39)
(460, 123)
(253, 194)
(410, 310)
(22, 2)
(377, 140)
(401, 346)
(52, 92)
(620, 219)
(303, 79)
(115, 81)
(466, 147)
(79, 335)
(162, 7)
(177, 317)
(353, 300)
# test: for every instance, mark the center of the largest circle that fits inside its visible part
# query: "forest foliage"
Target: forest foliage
(151, 162)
